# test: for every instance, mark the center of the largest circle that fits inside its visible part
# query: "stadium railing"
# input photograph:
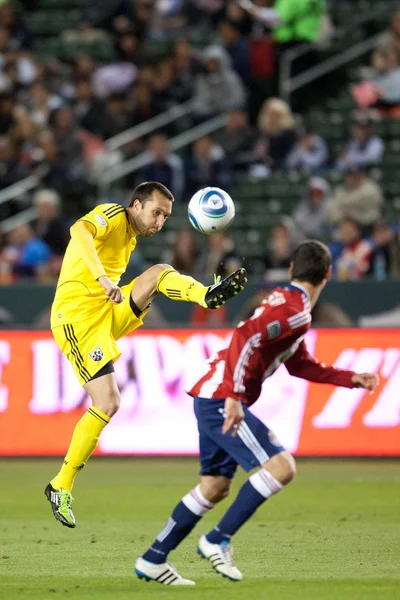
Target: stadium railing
(288, 86)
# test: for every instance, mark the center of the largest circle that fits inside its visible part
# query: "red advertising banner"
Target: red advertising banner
(41, 399)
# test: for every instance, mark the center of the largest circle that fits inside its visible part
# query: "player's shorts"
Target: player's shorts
(90, 344)
(220, 454)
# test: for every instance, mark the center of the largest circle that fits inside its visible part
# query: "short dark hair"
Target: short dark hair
(311, 261)
(144, 191)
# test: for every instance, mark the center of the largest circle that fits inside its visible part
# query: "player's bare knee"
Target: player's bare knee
(215, 488)
(282, 466)
(109, 403)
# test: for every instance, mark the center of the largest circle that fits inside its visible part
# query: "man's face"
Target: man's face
(158, 147)
(150, 217)
(349, 233)
(353, 180)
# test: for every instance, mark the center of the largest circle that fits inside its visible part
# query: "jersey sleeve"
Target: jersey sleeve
(105, 218)
(303, 365)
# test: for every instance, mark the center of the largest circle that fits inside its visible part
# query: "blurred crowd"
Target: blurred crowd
(57, 116)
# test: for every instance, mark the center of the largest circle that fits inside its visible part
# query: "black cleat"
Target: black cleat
(221, 291)
(60, 501)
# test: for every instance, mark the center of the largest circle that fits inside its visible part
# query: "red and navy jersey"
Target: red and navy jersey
(273, 335)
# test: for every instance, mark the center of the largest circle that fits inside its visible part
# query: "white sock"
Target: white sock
(265, 483)
(196, 502)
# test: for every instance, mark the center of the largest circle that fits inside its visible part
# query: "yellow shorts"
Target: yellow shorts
(91, 344)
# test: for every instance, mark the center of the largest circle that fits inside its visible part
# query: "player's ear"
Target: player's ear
(328, 275)
(136, 204)
(291, 268)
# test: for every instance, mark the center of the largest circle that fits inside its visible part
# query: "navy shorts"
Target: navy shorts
(220, 454)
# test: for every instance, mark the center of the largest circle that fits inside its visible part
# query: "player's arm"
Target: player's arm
(303, 365)
(82, 234)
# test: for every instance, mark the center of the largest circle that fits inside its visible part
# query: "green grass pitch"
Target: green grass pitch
(334, 533)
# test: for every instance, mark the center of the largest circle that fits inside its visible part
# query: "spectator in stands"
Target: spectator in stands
(8, 162)
(128, 47)
(218, 87)
(48, 225)
(111, 118)
(86, 107)
(387, 84)
(166, 90)
(24, 135)
(7, 109)
(386, 256)
(205, 168)
(165, 167)
(41, 104)
(145, 107)
(310, 153)
(24, 255)
(70, 156)
(237, 138)
(82, 66)
(390, 40)
(283, 240)
(277, 133)
(184, 253)
(359, 198)
(352, 254)
(364, 148)
(310, 214)
(237, 47)
(186, 63)
(220, 257)
(20, 37)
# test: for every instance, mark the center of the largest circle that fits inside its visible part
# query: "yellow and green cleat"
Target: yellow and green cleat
(224, 289)
(60, 501)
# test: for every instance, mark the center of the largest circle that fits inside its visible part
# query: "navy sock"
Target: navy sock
(245, 504)
(185, 516)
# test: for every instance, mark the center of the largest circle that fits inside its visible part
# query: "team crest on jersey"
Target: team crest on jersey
(274, 330)
(101, 220)
(96, 354)
(273, 439)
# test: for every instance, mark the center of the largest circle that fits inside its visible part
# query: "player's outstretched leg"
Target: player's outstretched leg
(182, 287)
(270, 479)
(105, 397)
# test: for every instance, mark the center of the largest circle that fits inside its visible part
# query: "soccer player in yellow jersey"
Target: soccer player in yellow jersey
(90, 312)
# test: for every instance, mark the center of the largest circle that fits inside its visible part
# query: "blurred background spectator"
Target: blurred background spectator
(309, 154)
(165, 166)
(364, 148)
(351, 254)
(206, 167)
(359, 198)
(218, 87)
(310, 214)
(277, 135)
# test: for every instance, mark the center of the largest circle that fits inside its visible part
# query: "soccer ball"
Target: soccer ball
(211, 210)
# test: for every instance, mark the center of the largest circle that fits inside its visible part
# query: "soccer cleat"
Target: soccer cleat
(165, 573)
(60, 501)
(220, 557)
(221, 291)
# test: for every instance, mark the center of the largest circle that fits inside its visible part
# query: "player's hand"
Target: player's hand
(234, 415)
(112, 290)
(369, 381)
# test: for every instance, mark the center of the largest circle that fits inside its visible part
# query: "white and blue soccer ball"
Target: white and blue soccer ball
(211, 210)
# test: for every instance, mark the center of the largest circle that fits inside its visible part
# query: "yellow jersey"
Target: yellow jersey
(78, 295)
